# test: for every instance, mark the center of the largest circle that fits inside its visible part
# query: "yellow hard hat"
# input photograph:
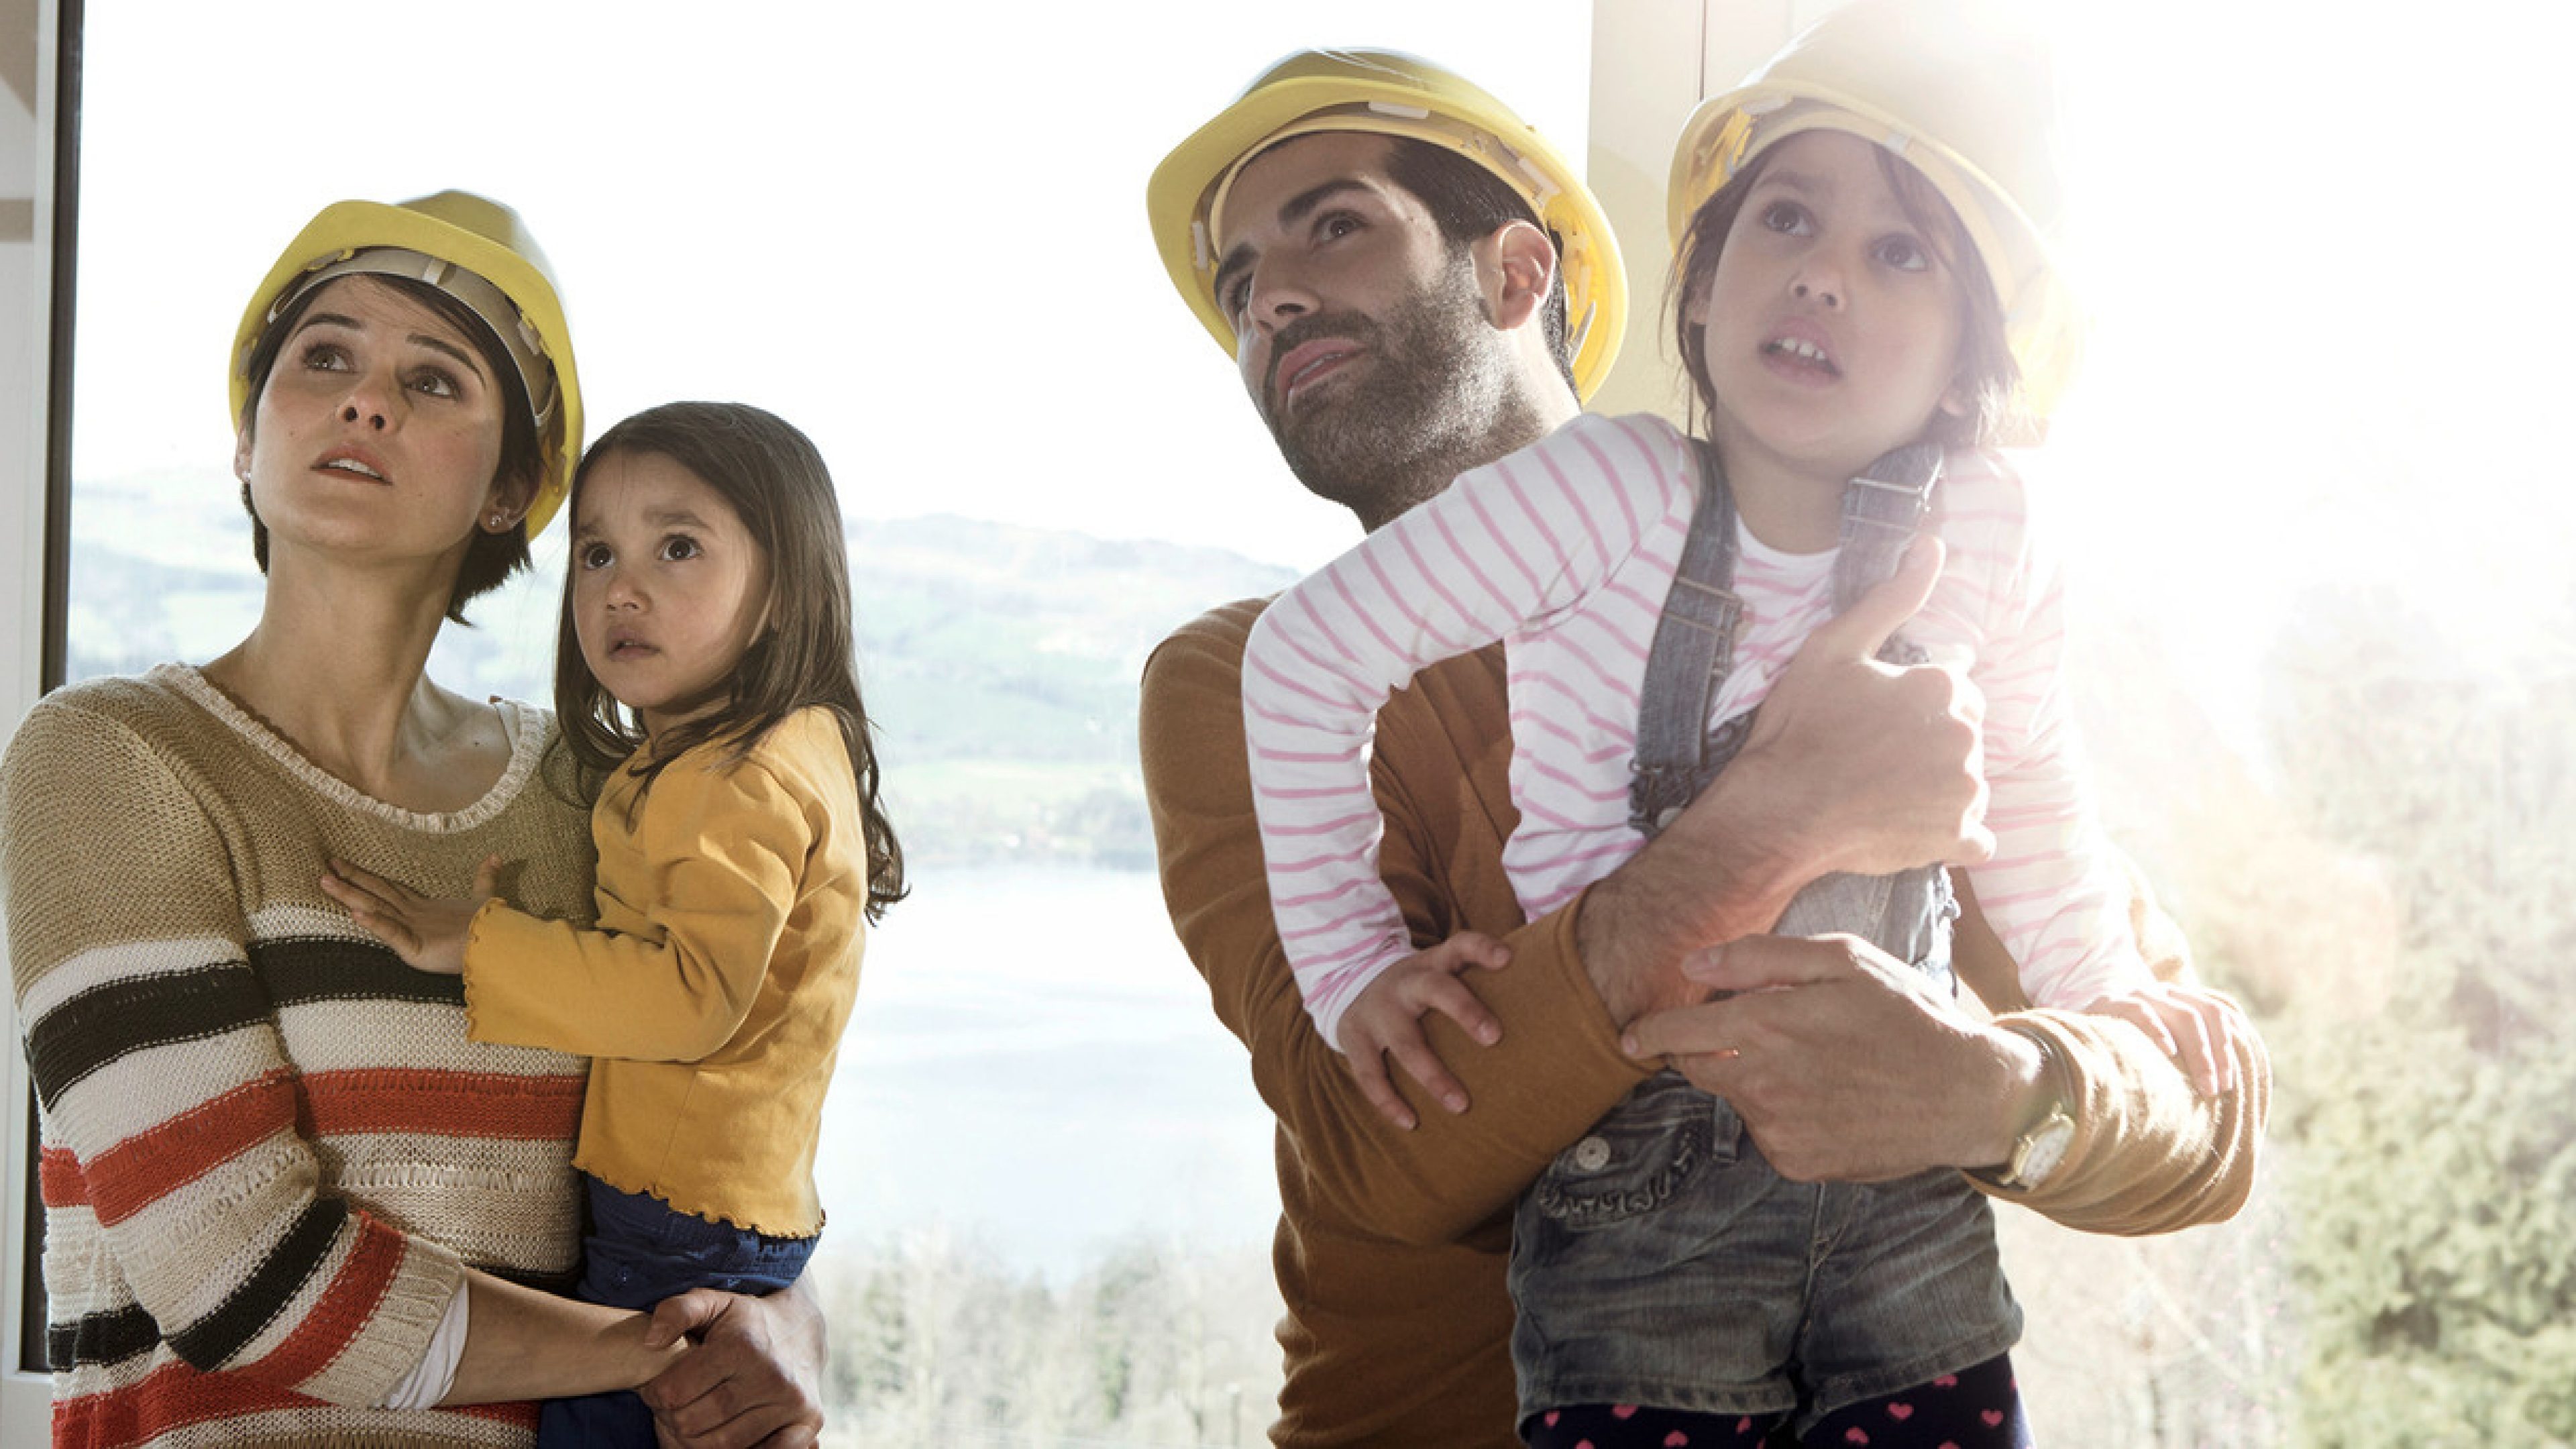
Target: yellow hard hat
(1963, 93)
(1389, 93)
(473, 249)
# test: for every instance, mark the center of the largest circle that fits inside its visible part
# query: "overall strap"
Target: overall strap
(1694, 644)
(1693, 649)
(1883, 509)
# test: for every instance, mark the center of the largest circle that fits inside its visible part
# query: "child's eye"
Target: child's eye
(1787, 218)
(680, 546)
(1903, 253)
(595, 556)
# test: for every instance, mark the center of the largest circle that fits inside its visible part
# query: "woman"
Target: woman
(287, 1200)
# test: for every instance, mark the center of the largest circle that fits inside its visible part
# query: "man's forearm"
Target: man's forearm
(2149, 1155)
(1721, 871)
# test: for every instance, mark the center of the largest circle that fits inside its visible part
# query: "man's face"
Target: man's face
(1363, 336)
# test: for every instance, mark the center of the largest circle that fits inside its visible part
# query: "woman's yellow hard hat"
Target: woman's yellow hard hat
(1964, 93)
(1389, 93)
(473, 249)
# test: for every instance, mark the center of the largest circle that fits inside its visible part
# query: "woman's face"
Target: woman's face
(378, 433)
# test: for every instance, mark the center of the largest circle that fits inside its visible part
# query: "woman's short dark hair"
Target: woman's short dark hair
(1987, 379)
(491, 557)
(774, 479)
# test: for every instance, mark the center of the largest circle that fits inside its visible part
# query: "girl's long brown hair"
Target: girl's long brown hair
(774, 480)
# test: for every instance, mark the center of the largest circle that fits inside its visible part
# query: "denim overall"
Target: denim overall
(1660, 1260)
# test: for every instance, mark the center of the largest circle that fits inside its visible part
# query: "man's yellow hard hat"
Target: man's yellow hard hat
(473, 249)
(1965, 93)
(1389, 93)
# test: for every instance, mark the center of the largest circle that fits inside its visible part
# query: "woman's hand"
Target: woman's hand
(426, 932)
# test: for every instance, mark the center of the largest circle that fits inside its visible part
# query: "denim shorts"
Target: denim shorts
(639, 1251)
(1661, 1261)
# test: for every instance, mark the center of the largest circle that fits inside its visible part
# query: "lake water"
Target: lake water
(1033, 1067)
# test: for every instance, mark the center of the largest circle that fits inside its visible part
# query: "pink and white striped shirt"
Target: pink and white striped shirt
(1564, 551)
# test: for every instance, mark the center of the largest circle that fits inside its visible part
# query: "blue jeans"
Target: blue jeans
(1660, 1260)
(639, 1251)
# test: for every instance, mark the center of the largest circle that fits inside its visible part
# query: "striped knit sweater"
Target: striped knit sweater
(1565, 551)
(268, 1146)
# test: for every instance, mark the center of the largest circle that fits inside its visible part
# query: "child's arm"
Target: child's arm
(1385, 1019)
(2055, 889)
(1504, 547)
(427, 932)
(695, 901)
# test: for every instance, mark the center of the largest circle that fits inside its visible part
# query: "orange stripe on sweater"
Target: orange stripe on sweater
(58, 1176)
(442, 1104)
(126, 1178)
(343, 1309)
(174, 1396)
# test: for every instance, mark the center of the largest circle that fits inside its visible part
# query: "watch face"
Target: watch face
(2042, 1149)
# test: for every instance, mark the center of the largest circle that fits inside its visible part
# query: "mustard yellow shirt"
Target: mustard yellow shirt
(715, 987)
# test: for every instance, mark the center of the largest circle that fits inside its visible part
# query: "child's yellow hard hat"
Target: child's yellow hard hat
(1965, 95)
(1389, 93)
(473, 249)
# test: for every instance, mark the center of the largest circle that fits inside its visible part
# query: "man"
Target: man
(1414, 285)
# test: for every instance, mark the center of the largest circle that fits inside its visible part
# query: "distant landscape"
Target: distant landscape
(1000, 662)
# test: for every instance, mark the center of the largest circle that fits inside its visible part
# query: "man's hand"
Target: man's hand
(1852, 765)
(1843, 1064)
(1385, 1020)
(1865, 766)
(754, 1378)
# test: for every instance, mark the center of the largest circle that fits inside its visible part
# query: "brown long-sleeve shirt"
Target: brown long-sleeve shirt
(1391, 1245)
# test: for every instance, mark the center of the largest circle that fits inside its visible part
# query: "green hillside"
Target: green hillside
(1000, 662)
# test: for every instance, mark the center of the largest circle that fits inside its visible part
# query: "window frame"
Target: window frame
(34, 485)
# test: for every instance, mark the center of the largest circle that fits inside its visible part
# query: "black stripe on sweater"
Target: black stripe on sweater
(302, 970)
(95, 1027)
(209, 1342)
(100, 1338)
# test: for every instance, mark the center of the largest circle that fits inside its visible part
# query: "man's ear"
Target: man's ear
(1516, 266)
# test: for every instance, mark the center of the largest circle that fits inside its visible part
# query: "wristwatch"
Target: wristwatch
(2042, 1145)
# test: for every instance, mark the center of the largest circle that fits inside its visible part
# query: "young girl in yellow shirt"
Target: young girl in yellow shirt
(705, 667)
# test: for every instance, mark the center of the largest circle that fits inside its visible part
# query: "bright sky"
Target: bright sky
(2334, 322)
(917, 231)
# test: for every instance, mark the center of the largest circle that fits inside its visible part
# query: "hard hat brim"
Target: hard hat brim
(1177, 196)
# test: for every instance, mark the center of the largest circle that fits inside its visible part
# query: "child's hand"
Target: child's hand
(427, 933)
(1386, 1017)
(2198, 1030)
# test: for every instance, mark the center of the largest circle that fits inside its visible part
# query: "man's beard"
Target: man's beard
(1439, 401)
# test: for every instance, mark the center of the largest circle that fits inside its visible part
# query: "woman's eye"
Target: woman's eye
(326, 357)
(1786, 217)
(679, 546)
(434, 382)
(1904, 253)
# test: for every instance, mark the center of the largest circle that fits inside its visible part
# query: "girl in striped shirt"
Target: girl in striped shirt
(1848, 283)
